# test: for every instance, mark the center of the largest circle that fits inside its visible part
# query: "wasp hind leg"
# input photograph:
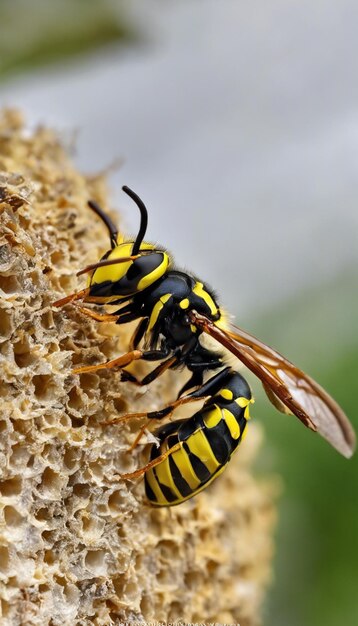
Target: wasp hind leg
(156, 415)
(204, 392)
(142, 470)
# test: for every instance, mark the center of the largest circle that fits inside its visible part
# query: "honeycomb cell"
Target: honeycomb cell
(12, 517)
(11, 486)
(95, 561)
(52, 483)
(4, 559)
(44, 386)
(117, 501)
(71, 459)
(10, 284)
(5, 324)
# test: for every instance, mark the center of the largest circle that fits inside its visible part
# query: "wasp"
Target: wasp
(175, 311)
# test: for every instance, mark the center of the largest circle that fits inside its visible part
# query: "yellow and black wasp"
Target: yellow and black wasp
(175, 310)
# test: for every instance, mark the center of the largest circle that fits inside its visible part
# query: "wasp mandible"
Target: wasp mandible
(175, 310)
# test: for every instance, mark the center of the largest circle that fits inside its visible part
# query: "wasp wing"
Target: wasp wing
(287, 387)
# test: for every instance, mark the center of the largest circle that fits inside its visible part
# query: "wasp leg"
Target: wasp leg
(200, 361)
(73, 296)
(148, 466)
(209, 389)
(99, 317)
(125, 359)
(139, 333)
(120, 361)
(153, 375)
(159, 370)
(138, 437)
(196, 380)
(130, 378)
(154, 415)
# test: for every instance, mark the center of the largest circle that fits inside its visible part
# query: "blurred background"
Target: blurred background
(237, 123)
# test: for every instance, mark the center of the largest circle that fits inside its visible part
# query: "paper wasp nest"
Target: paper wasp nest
(78, 545)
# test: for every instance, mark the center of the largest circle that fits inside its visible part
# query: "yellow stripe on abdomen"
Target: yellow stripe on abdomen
(160, 499)
(212, 417)
(165, 477)
(164, 502)
(199, 445)
(183, 464)
(231, 423)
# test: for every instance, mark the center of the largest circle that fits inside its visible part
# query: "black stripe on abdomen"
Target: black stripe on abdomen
(167, 492)
(198, 466)
(149, 491)
(178, 479)
(219, 446)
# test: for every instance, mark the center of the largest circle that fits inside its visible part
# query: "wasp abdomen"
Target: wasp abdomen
(206, 442)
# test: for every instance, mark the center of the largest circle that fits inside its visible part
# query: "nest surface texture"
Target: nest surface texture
(78, 545)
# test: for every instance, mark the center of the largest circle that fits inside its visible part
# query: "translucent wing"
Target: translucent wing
(287, 387)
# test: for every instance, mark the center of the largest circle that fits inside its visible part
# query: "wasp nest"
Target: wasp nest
(78, 545)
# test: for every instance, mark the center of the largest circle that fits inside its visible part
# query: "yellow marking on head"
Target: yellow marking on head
(199, 445)
(114, 273)
(212, 418)
(153, 484)
(157, 309)
(199, 290)
(227, 394)
(193, 328)
(184, 303)
(157, 273)
(231, 423)
(183, 464)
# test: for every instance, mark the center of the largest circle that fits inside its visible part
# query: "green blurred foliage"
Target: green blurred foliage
(316, 566)
(40, 32)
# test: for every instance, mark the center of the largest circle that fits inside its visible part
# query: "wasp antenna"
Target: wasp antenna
(143, 218)
(113, 232)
